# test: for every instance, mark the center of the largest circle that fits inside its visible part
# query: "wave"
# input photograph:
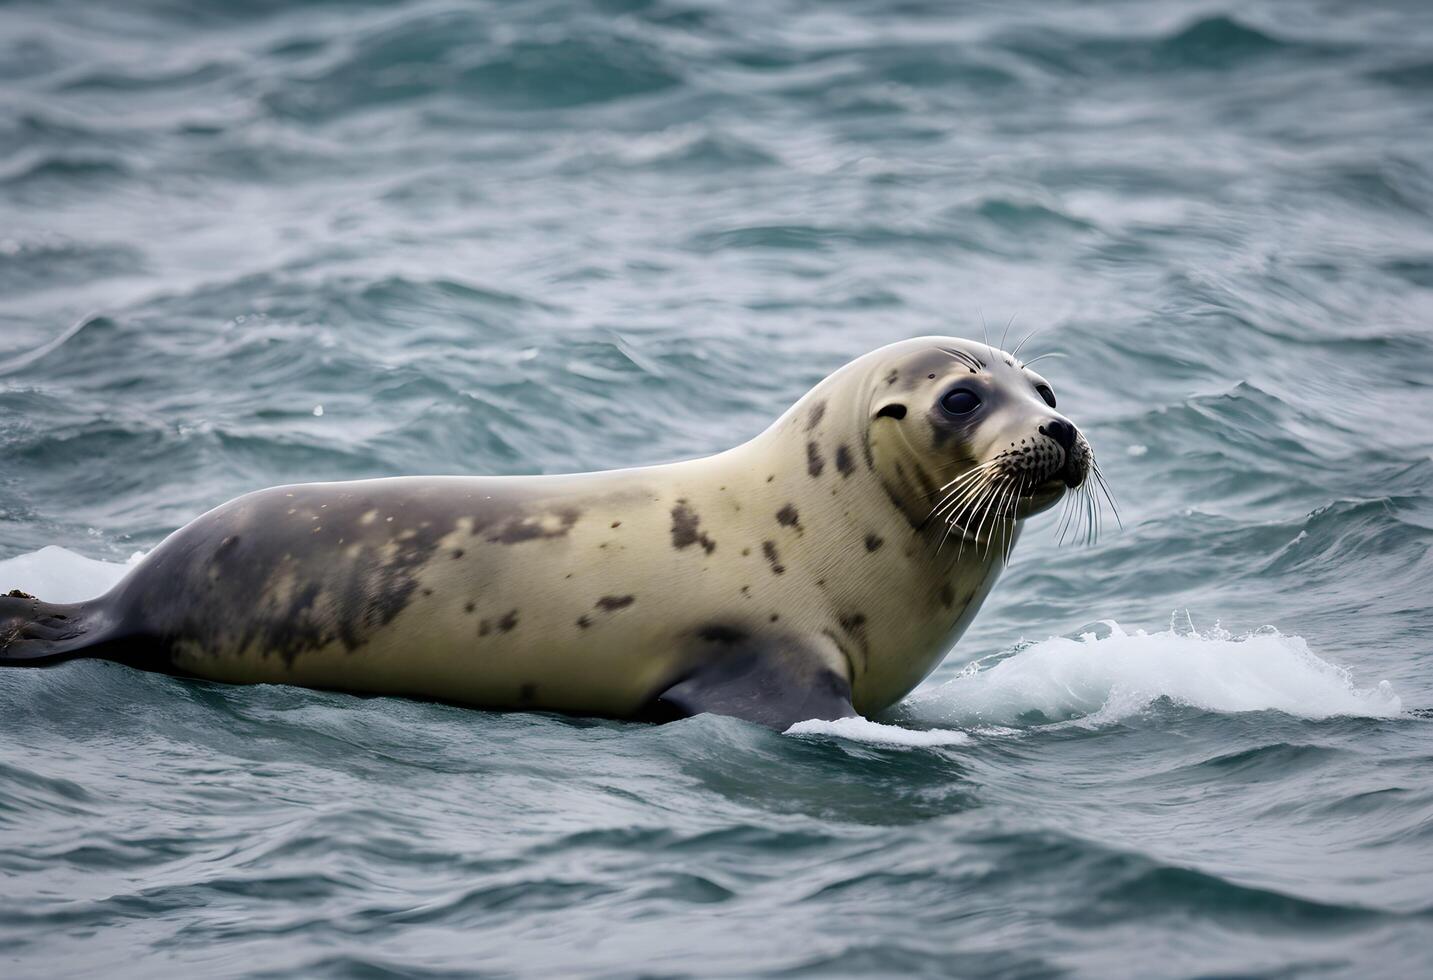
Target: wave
(19, 362)
(57, 574)
(1107, 676)
(1209, 43)
(456, 57)
(862, 730)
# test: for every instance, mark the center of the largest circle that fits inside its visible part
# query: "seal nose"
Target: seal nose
(1061, 431)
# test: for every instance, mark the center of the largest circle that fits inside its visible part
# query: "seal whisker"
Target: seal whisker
(967, 359)
(1026, 339)
(957, 507)
(981, 501)
(1008, 506)
(967, 495)
(966, 475)
(968, 501)
(1010, 540)
(1041, 357)
(985, 515)
(1067, 518)
(958, 490)
(996, 515)
(1090, 529)
(948, 528)
(964, 483)
(1105, 488)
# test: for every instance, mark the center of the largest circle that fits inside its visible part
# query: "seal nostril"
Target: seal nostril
(1061, 431)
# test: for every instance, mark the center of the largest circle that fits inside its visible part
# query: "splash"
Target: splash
(59, 575)
(861, 730)
(1107, 676)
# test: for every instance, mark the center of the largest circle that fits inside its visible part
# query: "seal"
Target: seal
(820, 570)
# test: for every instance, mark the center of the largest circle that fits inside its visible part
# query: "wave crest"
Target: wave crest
(1108, 675)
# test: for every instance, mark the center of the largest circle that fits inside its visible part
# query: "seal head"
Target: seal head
(966, 434)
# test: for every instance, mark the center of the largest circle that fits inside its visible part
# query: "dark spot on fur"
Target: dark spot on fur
(843, 460)
(583, 622)
(611, 603)
(684, 529)
(775, 616)
(947, 595)
(509, 620)
(211, 586)
(427, 591)
(814, 463)
(854, 623)
(484, 627)
(616, 523)
(725, 635)
(770, 478)
(893, 411)
(874, 541)
(532, 527)
(469, 606)
(814, 419)
(457, 553)
(892, 376)
(527, 693)
(787, 516)
(768, 548)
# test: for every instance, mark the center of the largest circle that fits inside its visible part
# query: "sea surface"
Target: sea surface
(244, 244)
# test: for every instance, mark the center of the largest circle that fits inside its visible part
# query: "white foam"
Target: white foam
(57, 574)
(861, 730)
(1103, 679)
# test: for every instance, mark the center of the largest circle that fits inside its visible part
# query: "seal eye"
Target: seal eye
(960, 401)
(1046, 394)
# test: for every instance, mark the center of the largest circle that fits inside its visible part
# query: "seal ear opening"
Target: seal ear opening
(895, 410)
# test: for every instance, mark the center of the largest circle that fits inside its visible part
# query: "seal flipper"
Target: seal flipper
(772, 681)
(35, 633)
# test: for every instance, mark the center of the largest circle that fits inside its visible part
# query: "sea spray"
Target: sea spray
(1105, 676)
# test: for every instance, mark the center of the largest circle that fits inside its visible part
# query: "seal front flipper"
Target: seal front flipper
(774, 681)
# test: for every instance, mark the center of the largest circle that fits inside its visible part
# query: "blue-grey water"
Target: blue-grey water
(243, 244)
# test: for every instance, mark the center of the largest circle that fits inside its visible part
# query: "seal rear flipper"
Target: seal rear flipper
(35, 633)
(772, 681)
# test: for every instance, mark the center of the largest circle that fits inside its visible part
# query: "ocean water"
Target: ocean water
(246, 244)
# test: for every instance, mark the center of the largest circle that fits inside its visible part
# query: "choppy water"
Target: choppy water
(325, 240)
